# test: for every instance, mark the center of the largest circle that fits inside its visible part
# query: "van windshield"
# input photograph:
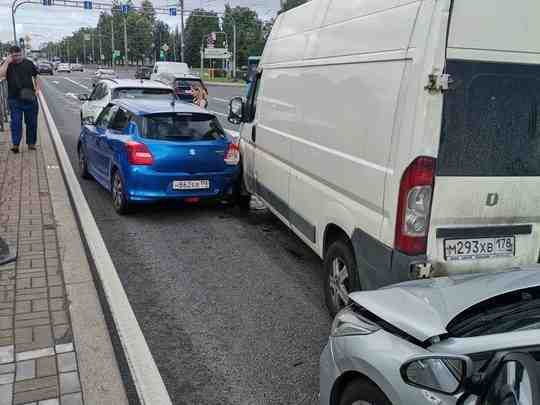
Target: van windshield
(491, 120)
(183, 127)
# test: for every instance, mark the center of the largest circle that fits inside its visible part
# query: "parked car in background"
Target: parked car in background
(45, 68)
(382, 354)
(147, 150)
(64, 67)
(434, 172)
(107, 90)
(77, 67)
(143, 72)
(174, 69)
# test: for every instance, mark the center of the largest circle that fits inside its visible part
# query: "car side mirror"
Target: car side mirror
(445, 374)
(236, 110)
(83, 97)
(88, 121)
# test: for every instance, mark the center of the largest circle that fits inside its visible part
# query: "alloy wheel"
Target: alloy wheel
(338, 282)
(118, 191)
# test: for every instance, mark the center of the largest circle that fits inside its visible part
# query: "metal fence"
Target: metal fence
(4, 114)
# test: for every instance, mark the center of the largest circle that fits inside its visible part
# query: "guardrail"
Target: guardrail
(4, 114)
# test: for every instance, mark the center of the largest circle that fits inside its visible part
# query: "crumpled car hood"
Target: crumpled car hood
(424, 308)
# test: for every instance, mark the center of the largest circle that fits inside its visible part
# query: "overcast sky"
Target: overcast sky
(52, 23)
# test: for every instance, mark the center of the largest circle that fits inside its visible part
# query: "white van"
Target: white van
(164, 70)
(398, 138)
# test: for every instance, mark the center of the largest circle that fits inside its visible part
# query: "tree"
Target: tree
(199, 24)
(161, 37)
(289, 4)
(250, 38)
(140, 36)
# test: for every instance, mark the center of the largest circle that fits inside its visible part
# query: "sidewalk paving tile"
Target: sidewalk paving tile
(72, 399)
(26, 370)
(69, 382)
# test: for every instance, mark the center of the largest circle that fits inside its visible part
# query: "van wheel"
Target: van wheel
(340, 265)
(363, 392)
(120, 201)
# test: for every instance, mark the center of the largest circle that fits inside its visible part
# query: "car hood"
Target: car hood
(424, 308)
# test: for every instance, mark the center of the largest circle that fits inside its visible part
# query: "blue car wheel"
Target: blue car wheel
(120, 201)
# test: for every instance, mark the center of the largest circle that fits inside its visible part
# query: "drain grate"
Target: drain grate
(5, 256)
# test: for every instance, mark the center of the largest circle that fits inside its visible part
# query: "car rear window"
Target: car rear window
(491, 121)
(137, 93)
(183, 127)
(186, 83)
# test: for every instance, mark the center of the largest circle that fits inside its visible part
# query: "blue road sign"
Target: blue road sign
(125, 8)
(172, 12)
(88, 5)
(47, 2)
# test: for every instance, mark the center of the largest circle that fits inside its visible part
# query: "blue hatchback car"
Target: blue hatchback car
(149, 150)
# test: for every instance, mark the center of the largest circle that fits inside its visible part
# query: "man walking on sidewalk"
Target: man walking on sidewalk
(23, 85)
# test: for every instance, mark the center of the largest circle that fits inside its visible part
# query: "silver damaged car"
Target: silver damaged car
(468, 339)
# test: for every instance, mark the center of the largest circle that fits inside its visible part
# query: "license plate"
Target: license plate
(481, 248)
(191, 184)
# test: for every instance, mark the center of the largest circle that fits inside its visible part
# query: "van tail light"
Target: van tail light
(414, 206)
(232, 156)
(139, 154)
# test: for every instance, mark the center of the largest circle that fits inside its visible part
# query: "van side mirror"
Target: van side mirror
(88, 121)
(83, 97)
(445, 374)
(236, 110)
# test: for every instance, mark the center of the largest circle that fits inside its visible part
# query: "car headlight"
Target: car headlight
(348, 322)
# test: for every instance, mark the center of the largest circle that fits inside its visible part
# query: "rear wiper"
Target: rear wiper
(480, 320)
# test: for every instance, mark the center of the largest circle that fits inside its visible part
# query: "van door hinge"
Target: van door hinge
(438, 83)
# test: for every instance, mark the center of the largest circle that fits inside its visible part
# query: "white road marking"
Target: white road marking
(218, 113)
(221, 100)
(55, 81)
(72, 96)
(74, 82)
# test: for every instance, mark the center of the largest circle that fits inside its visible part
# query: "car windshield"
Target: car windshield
(183, 127)
(515, 311)
(138, 93)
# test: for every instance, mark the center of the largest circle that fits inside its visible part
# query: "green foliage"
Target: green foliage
(289, 4)
(198, 25)
(250, 36)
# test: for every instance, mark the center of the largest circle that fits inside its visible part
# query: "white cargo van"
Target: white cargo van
(164, 70)
(400, 138)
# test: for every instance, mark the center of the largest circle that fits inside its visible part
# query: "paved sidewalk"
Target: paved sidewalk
(39, 353)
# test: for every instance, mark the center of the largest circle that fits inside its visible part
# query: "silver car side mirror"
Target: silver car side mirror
(445, 374)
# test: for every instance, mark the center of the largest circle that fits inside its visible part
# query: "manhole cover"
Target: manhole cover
(5, 255)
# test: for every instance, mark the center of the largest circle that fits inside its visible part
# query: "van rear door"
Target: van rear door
(486, 202)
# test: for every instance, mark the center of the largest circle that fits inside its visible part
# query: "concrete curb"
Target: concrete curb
(146, 378)
(99, 374)
(224, 84)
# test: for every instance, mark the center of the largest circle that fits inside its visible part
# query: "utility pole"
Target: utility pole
(125, 41)
(84, 48)
(100, 47)
(234, 50)
(112, 40)
(93, 49)
(181, 6)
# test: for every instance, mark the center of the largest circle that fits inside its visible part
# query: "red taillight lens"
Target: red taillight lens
(414, 206)
(232, 157)
(139, 154)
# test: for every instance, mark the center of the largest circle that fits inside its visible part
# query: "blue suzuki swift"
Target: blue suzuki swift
(149, 150)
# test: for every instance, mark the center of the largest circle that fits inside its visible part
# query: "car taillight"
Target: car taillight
(139, 154)
(232, 157)
(414, 206)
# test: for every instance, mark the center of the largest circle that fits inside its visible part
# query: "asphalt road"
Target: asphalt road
(231, 303)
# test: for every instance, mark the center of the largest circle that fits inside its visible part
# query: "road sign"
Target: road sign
(125, 8)
(47, 2)
(216, 53)
(88, 5)
(87, 37)
(116, 54)
(102, 57)
(161, 55)
(172, 12)
(165, 48)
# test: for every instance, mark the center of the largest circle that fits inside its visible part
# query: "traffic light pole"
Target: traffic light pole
(125, 41)
(182, 53)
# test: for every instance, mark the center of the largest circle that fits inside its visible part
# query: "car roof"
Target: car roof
(433, 303)
(147, 106)
(135, 83)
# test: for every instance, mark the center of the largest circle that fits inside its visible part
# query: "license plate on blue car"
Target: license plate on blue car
(191, 184)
